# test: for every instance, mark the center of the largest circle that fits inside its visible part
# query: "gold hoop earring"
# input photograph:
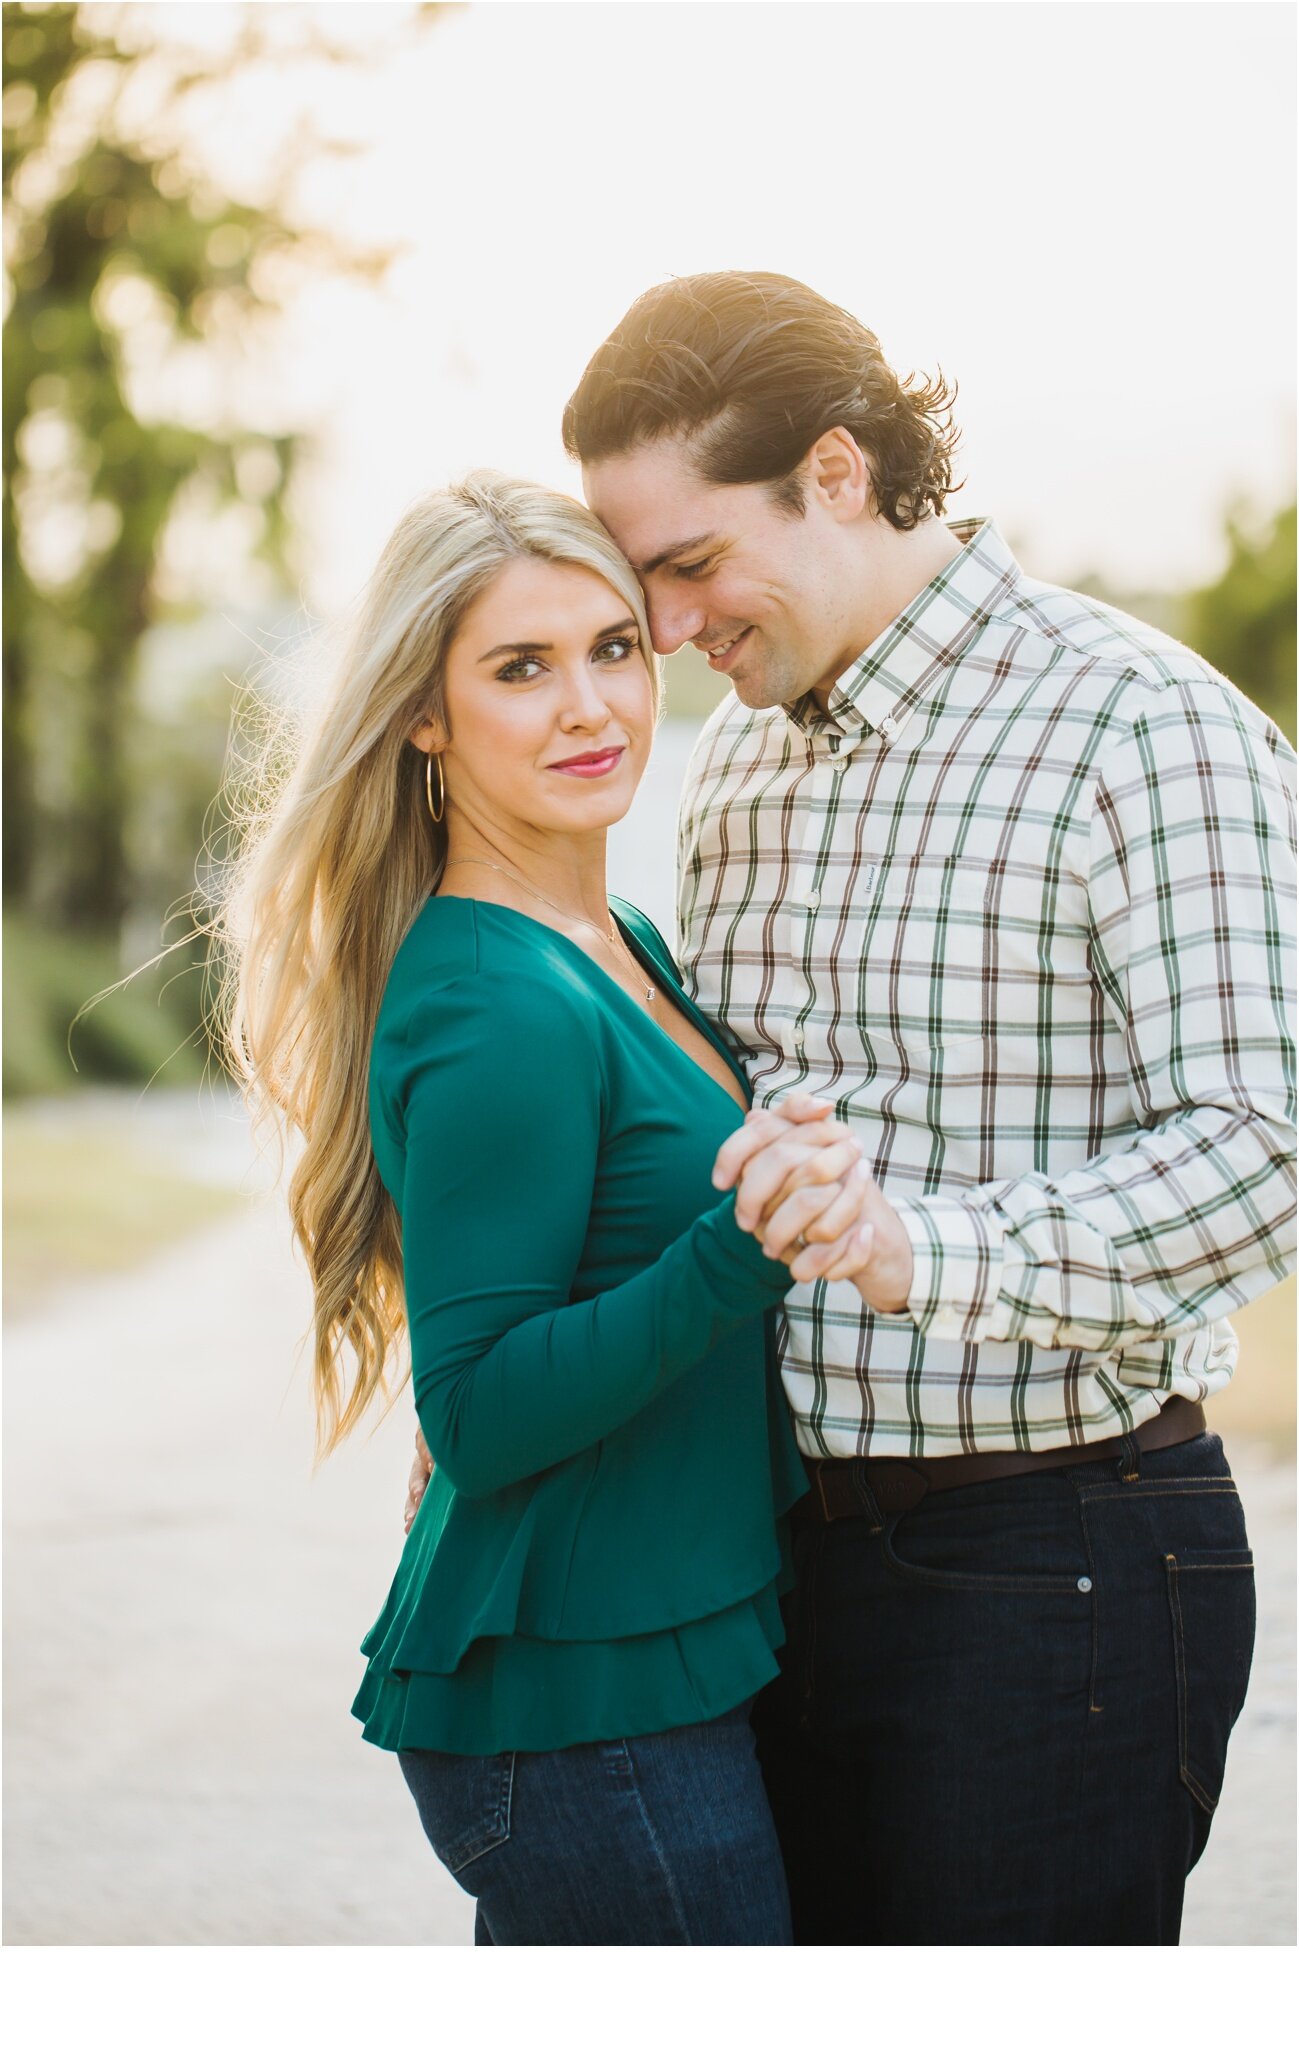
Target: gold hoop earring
(437, 814)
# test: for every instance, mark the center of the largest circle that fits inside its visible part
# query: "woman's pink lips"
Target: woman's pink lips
(590, 764)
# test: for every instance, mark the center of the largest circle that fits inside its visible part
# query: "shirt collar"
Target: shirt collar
(902, 666)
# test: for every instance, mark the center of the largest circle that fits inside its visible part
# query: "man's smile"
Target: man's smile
(720, 654)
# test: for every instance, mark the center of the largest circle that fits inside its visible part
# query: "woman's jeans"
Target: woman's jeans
(647, 1841)
(1003, 1715)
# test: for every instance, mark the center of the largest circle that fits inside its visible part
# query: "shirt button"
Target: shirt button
(796, 1035)
(946, 1318)
(887, 728)
(813, 899)
(1084, 1585)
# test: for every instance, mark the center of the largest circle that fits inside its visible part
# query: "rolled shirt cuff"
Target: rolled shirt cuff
(958, 1252)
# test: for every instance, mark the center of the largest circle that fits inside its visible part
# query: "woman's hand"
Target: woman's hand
(419, 1478)
(871, 1247)
(800, 1189)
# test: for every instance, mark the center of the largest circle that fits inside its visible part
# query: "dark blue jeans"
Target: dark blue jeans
(1002, 1716)
(649, 1841)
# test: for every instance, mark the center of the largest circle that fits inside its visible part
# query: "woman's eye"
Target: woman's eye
(693, 569)
(617, 649)
(513, 672)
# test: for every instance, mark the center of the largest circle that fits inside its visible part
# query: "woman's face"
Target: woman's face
(549, 702)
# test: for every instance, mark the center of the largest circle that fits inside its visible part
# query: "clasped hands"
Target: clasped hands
(802, 1189)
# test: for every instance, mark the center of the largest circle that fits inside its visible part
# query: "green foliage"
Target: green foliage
(124, 264)
(107, 247)
(151, 1027)
(1245, 622)
(136, 294)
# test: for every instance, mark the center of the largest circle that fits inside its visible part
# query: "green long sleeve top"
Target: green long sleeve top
(598, 1551)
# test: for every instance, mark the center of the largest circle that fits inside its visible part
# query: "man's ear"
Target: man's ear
(838, 474)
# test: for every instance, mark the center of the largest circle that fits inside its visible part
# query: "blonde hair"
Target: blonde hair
(339, 854)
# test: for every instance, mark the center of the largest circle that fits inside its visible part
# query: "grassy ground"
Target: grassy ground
(82, 1203)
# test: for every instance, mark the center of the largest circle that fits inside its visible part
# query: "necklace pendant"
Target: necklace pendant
(650, 994)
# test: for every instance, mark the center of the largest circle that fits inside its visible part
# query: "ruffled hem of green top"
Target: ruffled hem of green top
(520, 1692)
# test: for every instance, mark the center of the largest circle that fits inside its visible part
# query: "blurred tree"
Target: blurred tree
(1245, 622)
(124, 262)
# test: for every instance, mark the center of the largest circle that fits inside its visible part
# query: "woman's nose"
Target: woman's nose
(584, 700)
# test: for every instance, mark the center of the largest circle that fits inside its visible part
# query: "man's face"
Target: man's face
(726, 568)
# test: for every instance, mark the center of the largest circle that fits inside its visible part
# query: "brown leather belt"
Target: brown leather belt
(854, 1486)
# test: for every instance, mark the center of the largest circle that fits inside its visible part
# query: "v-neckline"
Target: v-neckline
(685, 1008)
(675, 994)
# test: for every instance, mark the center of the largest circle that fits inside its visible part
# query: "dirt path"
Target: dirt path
(183, 1606)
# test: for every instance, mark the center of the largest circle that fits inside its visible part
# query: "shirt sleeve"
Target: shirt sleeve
(1192, 887)
(502, 1111)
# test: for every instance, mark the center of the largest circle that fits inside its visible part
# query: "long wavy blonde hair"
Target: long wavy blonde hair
(338, 853)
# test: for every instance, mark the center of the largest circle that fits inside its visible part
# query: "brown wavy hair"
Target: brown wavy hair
(753, 368)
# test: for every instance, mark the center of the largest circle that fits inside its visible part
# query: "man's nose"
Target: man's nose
(673, 621)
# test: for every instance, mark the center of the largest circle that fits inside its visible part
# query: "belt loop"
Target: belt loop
(1129, 1459)
(865, 1493)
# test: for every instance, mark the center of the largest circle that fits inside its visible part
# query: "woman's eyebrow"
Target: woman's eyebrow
(548, 646)
(519, 647)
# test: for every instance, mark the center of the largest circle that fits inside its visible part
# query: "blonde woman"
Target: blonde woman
(511, 1114)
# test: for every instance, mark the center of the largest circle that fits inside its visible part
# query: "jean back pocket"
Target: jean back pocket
(463, 1801)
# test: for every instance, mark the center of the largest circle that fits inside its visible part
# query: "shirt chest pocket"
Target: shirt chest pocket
(933, 956)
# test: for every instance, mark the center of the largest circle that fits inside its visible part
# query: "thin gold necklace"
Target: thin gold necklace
(610, 937)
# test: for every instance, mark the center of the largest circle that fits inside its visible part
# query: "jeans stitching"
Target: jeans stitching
(1162, 1489)
(506, 1808)
(972, 1582)
(493, 1831)
(664, 1866)
(1093, 1707)
(1187, 1775)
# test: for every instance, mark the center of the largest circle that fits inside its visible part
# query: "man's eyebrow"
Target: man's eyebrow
(681, 547)
(627, 625)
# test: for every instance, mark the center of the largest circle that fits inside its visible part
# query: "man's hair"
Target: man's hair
(753, 368)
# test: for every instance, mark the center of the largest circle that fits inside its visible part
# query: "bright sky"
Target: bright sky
(1084, 212)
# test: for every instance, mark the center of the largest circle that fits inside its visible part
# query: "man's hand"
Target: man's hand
(419, 1478)
(800, 1175)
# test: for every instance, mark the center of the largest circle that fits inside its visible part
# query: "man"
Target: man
(1007, 877)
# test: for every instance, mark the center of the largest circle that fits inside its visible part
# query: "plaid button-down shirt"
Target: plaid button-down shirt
(1021, 905)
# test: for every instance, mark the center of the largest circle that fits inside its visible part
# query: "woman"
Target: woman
(587, 1599)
